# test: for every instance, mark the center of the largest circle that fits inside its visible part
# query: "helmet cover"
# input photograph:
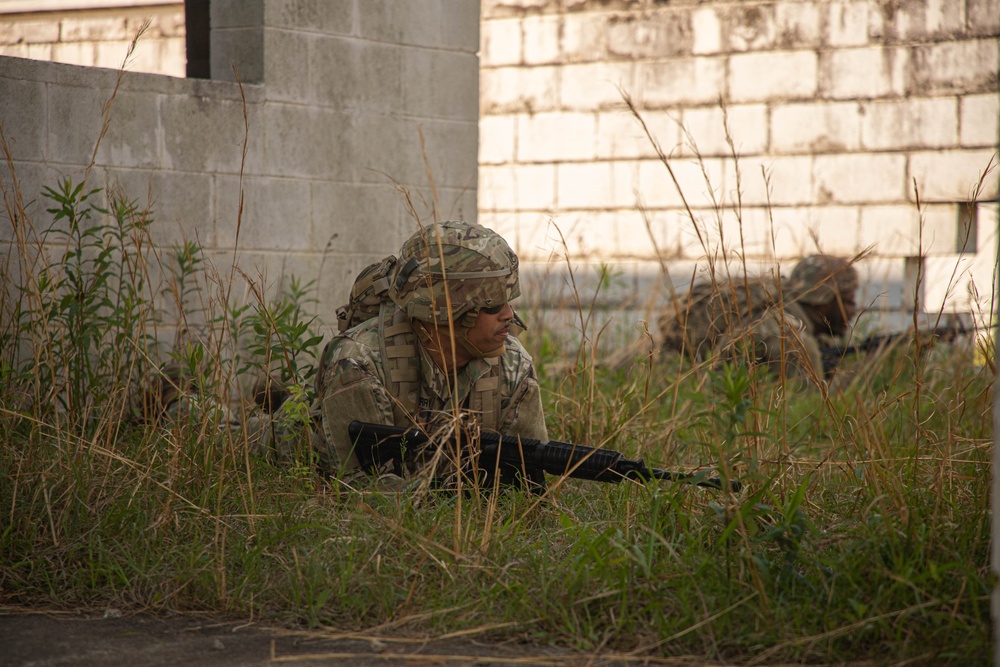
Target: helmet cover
(449, 269)
(818, 279)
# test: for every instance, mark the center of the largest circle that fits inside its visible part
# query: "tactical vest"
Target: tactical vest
(398, 349)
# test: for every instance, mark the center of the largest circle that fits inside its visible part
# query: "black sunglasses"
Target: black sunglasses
(493, 310)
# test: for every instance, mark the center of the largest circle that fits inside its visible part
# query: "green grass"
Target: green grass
(862, 532)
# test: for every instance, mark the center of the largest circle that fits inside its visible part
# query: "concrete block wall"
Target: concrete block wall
(342, 101)
(789, 125)
(97, 36)
(842, 104)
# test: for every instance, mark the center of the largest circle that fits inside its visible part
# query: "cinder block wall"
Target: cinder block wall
(343, 103)
(789, 125)
(844, 105)
(97, 36)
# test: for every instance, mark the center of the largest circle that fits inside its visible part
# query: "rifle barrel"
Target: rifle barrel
(686, 477)
(832, 355)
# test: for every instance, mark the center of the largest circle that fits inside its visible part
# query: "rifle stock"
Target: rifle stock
(376, 444)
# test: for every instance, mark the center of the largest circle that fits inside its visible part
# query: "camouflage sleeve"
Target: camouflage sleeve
(689, 324)
(521, 398)
(810, 351)
(783, 342)
(352, 389)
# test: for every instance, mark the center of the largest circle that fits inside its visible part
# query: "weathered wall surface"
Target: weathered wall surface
(98, 36)
(843, 106)
(323, 144)
(790, 125)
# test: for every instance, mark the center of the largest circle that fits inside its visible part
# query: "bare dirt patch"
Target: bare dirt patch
(44, 639)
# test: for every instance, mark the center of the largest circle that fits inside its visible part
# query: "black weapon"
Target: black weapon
(376, 445)
(832, 355)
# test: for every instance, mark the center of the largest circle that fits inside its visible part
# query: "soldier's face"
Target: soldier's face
(492, 327)
(839, 313)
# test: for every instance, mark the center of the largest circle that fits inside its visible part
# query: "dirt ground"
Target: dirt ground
(44, 639)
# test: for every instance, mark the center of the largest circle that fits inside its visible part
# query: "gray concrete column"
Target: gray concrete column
(237, 40)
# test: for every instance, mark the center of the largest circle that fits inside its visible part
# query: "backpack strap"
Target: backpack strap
(400, 361)
(485, 397)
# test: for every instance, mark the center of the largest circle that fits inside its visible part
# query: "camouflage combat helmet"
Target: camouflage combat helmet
(464, 264)
(813, 280)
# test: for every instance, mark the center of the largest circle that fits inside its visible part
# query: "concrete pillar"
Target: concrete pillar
(237, 40)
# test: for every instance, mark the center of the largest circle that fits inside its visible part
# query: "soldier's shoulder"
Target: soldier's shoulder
(359, 341)
(349, 356)
(758, 291)
(515, 357)
(515, 348)
(797, 316)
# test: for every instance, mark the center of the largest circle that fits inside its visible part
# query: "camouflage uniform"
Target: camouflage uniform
(354, 388)
(822, 279)
(765, 320)
(475, 269)
(169, 400)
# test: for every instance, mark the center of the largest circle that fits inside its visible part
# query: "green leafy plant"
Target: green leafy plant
(282, 335)
(84, 330)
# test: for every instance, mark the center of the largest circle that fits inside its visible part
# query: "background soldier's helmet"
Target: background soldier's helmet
(817, 279)
(460, 264)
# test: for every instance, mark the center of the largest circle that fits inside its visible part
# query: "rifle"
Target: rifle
(832, 355)
(375, 445)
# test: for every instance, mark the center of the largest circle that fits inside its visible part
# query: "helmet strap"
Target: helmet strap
(433, 337)
(463, 340)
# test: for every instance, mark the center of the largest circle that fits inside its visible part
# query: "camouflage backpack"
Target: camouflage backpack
(367, 294)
